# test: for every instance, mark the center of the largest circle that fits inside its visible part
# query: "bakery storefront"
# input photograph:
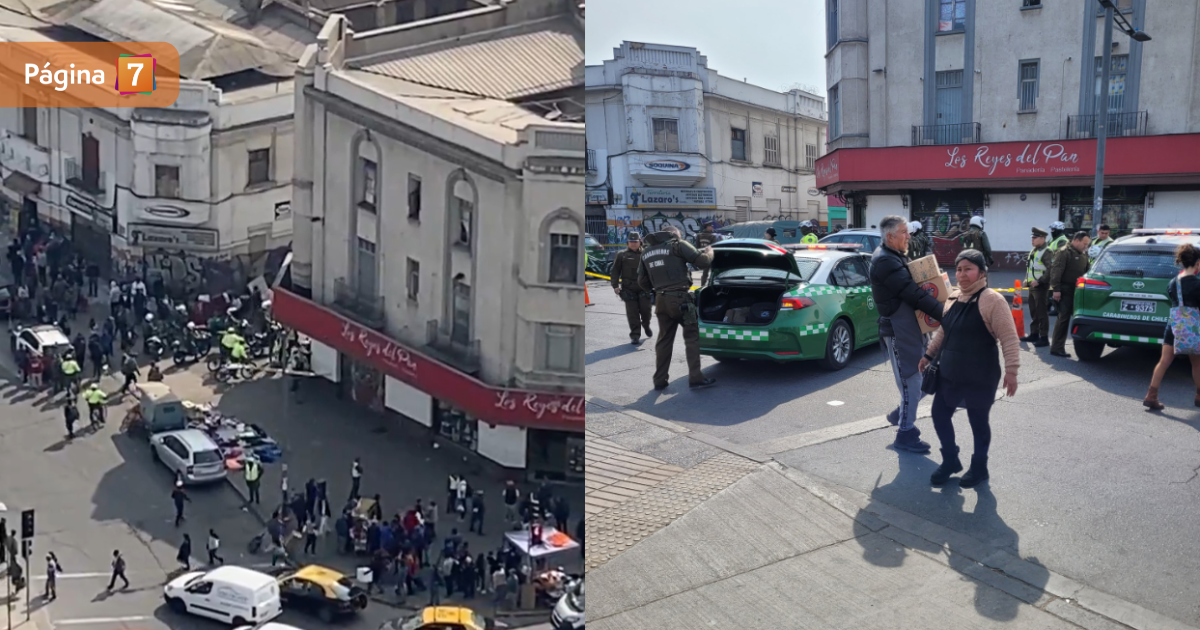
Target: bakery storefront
(1150, 181)
(541, 432)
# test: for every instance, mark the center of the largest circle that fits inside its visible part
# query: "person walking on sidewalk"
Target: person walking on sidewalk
(429, 518)
(512, 503)
(185, 553)
(213, 546)
(53, 568)
(899, 298)
(118, 571)
(451, 493)
(129, 368)
(977, 318)
(1184, 292)
(477, 512)
(625, 284)
(460, 499)
(310, 537)
(355, 479)
(179, 497)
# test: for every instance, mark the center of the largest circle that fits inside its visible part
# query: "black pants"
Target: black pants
(213, 558)
(670, 319)
(637, 314)
(354, 484)
(476, 524)
(115, 575)
(310, 543)
(981, 427)
(252, 488)
(1066, 308)
(178, 514)
(130, 379)
(92, 287)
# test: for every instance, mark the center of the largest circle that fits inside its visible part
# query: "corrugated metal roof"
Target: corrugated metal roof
(510, 64)
(208, 48)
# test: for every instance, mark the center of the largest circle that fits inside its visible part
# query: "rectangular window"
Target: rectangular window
(831, 36)
(810, 156)
(835, 113)
(29, 119)
(464, 212)
(166, 181)
(564, 258)
(414, 197)
(91, 161)
(367, 186)
(563, 351)
(666, 135)
(1032, 3)
(260, 167)
(771, 150)
(1028, 87)
(367, 282)
(461, 331)
(952, 15)
(1116, 84)
(414, 279)
(737, 145)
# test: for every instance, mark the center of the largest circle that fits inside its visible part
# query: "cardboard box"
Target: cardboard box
(923, 269)
(939, 287)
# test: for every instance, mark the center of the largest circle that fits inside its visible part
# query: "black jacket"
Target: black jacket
(891, 284)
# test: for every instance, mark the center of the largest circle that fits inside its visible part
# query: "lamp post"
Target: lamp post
(1110, 15)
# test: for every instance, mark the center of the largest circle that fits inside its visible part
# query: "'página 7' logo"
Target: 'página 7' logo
(135, 74)
(89, 74)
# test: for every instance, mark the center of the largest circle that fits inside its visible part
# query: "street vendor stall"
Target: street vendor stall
(235, 438)
(545, 585)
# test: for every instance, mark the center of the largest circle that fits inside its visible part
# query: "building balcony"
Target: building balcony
(93, 183)
(544, 380)
(1118, 125)
(441, 344)
(358, 305)
(591, 160)
(961, 133)
(22, 155)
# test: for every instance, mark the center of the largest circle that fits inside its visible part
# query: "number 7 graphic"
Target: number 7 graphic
(129, 74)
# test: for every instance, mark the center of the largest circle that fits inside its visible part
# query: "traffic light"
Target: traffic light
(27, 548)
(27, 524)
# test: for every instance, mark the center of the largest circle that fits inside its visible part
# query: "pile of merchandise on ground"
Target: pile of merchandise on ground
(235, 438)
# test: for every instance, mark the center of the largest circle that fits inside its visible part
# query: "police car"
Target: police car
(787, 303)
(1122, 300)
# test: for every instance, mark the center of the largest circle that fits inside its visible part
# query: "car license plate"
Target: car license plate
(1138, 306)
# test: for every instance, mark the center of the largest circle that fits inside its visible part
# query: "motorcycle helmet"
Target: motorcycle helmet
(191, 325)
(914, 226)
(806, 224)
(149, 317)
(977, 222)
(1094, 251)
(1058, 226)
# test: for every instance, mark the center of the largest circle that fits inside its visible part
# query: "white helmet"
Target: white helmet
(1058, 225)
(914, 226)
(1094, 251)
(806, 224)
(149, 317)
(977, 222)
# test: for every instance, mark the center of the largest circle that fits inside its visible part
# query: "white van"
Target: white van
(568, 612)
(234, 595)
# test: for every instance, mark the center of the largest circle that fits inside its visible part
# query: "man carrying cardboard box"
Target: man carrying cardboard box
(898, 298)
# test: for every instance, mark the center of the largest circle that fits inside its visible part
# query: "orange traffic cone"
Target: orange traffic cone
(587, 301)
(1018, 313)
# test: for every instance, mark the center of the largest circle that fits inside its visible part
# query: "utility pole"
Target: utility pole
(1102, 114)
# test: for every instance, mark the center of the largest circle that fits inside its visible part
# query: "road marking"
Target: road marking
(835, 403)
(99, 620)
(258, 566)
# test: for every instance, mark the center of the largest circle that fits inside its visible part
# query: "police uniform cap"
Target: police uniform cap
(634, 236)
(1037, 231)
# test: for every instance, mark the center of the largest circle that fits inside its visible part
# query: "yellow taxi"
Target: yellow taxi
(321, 591)
(440, 618)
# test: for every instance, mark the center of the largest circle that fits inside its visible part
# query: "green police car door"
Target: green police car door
(854, 273)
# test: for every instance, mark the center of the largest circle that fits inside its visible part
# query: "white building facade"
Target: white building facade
(438, 259)
(957, 108)
(672, 140)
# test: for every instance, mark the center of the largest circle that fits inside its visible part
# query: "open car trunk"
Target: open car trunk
(739, 304)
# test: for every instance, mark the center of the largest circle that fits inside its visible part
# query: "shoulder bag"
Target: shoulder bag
(931, 376)
(1185, 324)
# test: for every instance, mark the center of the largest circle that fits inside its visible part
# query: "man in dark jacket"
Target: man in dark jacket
(1069, 265)
(624, 275)
(899, 298)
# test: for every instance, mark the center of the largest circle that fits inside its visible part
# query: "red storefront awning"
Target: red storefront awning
(495, 405)
(1143, 160)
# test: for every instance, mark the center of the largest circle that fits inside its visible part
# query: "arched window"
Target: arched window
(561, 248)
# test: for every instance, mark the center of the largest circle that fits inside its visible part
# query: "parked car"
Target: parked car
(44, 340)
(190, 454)
(793, 303)
(230, 594)
(786, 232)
(870, 239)
(440, 618)
(1122, 300)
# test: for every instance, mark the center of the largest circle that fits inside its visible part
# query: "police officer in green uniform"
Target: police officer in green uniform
(1037, 281)
(1058, 240)
(705, 239)
(624, 276)
(769, 235)
(975, 238)
(810, 235)
(1069, 265)
(664, 270)
(1103, 240)
(70, 371)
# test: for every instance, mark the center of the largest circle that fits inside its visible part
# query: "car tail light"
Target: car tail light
(794, 304)
(1089, 283)
(777, 248)
(1075, 330)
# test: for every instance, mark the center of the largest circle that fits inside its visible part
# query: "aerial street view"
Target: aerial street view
(893, 316)
(294, 294)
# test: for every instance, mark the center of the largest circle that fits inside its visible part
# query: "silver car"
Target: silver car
(190, 454)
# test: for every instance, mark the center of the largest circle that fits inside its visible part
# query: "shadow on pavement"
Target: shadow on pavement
(910, 491)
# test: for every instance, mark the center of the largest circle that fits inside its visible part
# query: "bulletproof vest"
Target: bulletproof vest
(973, 240)
(704, 239)
(666, 268)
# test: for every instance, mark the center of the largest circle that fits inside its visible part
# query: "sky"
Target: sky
(774, 44)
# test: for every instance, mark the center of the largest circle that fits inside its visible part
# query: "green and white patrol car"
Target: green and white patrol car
(1122, 300)
(787, 303)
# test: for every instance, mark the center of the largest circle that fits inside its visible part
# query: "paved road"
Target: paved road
(1083, 479)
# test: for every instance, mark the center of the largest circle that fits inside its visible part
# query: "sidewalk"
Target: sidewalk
(321, 436)
(776, 546)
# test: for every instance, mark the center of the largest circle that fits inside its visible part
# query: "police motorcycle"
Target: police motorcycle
(228, 371)
(190, 346)
(153, 346)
